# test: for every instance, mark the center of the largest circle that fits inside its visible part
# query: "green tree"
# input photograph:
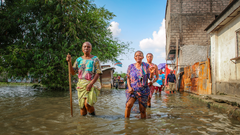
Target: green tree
(115, 74)
(36, 36)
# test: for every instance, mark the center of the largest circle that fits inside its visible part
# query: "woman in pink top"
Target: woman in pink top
(149, 61)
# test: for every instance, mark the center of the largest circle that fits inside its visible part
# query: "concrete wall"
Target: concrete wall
(187, 20)
(226, 74)
(193, 53)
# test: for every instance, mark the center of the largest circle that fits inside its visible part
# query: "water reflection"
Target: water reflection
(28, 91)
(29, 111)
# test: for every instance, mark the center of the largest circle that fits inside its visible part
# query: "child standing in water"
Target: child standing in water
(160, 81)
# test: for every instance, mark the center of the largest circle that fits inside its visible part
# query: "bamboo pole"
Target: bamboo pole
(70, 87)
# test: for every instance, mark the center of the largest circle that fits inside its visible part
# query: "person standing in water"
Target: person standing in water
(88, 69)
(171, 80)
(149, 61)
(138, 75)
(160, 81)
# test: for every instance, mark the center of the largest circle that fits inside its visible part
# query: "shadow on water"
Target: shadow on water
(30, 111)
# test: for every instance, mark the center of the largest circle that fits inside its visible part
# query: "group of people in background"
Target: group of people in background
(143, 79)
(117, 79)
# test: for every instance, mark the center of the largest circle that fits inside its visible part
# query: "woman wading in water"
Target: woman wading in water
(88, 69)
(149, 61)
(138, 75)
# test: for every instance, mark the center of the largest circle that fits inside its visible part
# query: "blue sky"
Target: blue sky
(140, 22)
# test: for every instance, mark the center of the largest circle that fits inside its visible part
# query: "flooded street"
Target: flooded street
(28, 111)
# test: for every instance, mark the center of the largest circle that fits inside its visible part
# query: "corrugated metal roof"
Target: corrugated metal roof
(108, 68)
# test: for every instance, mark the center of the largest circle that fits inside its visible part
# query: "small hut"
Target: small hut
(107, 76)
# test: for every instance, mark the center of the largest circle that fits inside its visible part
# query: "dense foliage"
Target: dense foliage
(36, 36)
(115, 74)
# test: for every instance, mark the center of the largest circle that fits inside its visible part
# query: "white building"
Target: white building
(225, 50)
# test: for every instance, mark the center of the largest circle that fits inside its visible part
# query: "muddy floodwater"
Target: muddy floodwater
(28, 111)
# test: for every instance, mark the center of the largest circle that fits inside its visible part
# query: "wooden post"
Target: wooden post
(70, 86)
(177, 40)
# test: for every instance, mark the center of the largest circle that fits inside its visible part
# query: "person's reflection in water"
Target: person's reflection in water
(131, 128)
(165, 97)
(127, 124)
(167, 92)
(127, 128)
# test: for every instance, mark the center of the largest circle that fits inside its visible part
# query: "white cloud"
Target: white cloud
(157, 42)
(114, 28)
(162, 55)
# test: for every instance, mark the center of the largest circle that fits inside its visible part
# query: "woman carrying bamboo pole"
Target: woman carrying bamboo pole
(88, 69)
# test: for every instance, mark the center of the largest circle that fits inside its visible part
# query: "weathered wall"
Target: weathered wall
(193, 53)
(197, 78)
(223, 48)
(106, 78)
(188, 19)
(230, 88)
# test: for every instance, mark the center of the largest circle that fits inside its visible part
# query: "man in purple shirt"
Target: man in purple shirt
(171, 79)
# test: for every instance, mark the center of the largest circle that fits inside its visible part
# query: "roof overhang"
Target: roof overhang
(229, 13)
(172, 53)
(166, 9)
(108, 68)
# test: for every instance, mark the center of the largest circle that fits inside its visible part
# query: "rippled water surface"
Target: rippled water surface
(28, 111)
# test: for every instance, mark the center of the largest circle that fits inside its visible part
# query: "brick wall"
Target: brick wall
(188, 19)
